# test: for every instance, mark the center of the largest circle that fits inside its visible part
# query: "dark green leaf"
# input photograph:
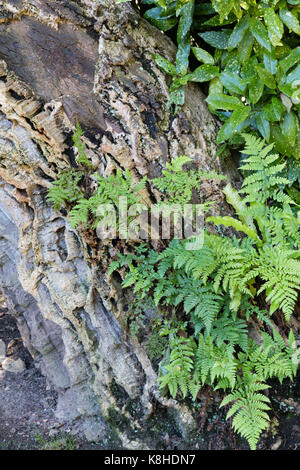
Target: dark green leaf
(203, 56)
(231, 62)
(216, 21)
(274, 25)
(287, 89)
(256, 88)
(164, 64)
(248, 72)
(270, 63)
(290, 20)
(182, 57)
(204, 73)
(294, 76)
(274, 110)
(232, 82)
(290, 60)
(221, 101)
(230, 127)
(289, 127)
(238, 32)
(263, 126)
(215, 87)
(260, 33)
(245, 47)
(218, 39)
(281, 143)
(183, 37)
(156, 17)
(223, 7)
(266, 77)
(186, 19)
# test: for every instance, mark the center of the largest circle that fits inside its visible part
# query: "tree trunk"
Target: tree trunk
(90, 61)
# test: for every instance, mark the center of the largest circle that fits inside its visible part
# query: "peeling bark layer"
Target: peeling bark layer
(89, 61)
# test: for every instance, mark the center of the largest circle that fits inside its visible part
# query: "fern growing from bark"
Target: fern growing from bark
(217, 287)
(214, 288)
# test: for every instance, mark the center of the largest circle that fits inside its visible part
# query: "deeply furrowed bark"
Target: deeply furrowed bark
(89, 61)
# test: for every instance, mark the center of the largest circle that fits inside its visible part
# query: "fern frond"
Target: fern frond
(65, 189)
(176, 375)
(80, 146)
(266, 170)
(249, 410)
(237, 224)
(233, 198)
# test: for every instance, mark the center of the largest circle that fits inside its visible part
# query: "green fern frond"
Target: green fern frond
(65, 189)
(176, 375)
(79, 144)
(249, 410)
(266, 169)
(237, 224)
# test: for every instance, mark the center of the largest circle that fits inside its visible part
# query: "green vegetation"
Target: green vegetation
(249, 54)
(205, 298)
(58, 443)
(218, 288)
(177, 184)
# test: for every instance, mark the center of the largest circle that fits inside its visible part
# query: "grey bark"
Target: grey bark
(89, 61)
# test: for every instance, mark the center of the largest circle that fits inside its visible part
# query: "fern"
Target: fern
(81, 157)
(249, 409)
(65, 189)
(228, 359)
(215, 363)
(178, 185)
(273, 232)
(110, 191)
(214, 290)
(266, 169)
(176, 369)
(273, 359)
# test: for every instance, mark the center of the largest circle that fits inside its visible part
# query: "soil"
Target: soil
(27, 409)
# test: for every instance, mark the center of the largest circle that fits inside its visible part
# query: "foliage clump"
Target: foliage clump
(249, 54)
(218, 288)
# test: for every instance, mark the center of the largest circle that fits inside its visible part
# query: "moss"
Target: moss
(112, 420)
(135, 409)
(118, 420)
(119, 393)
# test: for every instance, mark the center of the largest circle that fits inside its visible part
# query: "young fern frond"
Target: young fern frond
(81, 157)
(234, 199)
(280, 269)
(179, 184)
(237, 225)
(249, 409)
(176, 374)
(65, 189)
(265, 177)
